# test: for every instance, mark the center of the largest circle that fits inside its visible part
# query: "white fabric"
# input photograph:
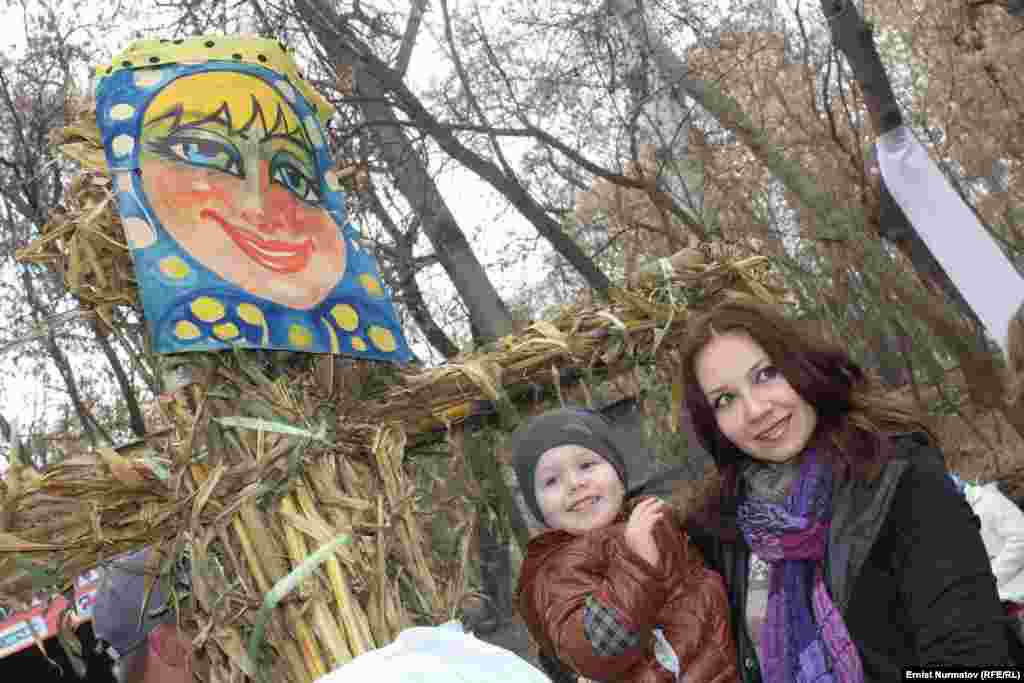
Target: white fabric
(985, 277)
(442, 654)
(1002, 531)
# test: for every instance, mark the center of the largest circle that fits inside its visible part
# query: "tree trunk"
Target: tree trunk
(135, 419)
(488, 314)
(412, 29)
(856, 41)
(406, 280)
(378, 80)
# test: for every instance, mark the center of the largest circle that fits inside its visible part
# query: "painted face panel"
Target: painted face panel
(757, 409)
(240, 194)
(236, 222)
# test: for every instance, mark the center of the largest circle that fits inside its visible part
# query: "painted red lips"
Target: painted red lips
(276, 255)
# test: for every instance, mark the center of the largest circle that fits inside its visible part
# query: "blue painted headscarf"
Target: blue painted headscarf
(187, 305)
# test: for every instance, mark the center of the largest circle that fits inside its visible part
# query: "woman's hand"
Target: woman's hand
(640, 529)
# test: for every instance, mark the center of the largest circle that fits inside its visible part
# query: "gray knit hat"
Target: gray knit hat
(578, 426)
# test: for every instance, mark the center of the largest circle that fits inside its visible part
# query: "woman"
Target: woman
(846, 550)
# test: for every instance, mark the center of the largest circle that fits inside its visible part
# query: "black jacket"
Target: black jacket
(905, 567)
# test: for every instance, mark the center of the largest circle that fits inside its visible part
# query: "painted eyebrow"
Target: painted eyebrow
(222, 117)
(753, 368)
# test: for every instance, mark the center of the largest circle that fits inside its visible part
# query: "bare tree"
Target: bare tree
(34, 90)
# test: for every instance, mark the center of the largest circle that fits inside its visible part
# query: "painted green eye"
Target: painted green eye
(285, 170)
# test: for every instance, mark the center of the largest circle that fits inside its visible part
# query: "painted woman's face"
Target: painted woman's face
(232, 176)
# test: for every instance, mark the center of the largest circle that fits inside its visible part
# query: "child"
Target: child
(614, 593)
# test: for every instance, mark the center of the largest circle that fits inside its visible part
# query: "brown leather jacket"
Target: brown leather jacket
(680, 596)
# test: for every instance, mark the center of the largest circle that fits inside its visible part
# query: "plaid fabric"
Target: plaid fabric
(603, 628)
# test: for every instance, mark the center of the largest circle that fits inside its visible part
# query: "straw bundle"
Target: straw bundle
(84, 240)
(282, 476)
(251, 485)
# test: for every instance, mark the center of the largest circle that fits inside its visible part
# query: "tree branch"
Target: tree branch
(412, 29)
(337, 40)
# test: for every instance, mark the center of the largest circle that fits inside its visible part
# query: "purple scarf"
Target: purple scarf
(804, 637)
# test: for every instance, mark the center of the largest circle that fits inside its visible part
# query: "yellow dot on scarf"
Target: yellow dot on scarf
(173, 267)
(358, 344)
(300, 336)
(250, 314)
(208, 309)
(382, 339)
(346, 317)
(371, 285)
(123, 145)
(225, 331)
(122, 112)
(186, 330)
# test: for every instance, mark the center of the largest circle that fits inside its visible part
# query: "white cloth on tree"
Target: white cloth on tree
(985, 277)
(1002, 531)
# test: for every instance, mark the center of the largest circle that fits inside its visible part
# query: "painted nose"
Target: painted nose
(255, 181)
(254, 192)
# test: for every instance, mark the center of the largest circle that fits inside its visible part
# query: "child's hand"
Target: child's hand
(640, 529)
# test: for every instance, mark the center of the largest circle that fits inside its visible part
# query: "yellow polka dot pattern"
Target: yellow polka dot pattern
(264, 52)
(300, 336)
(371, 285)
(346, 317)
(213, 319)
(186, 330)
(174, 267)
(208, 309)
(382, 338)
(226, 331)
(250, 314)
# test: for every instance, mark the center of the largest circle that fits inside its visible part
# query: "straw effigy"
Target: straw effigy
(282, 477)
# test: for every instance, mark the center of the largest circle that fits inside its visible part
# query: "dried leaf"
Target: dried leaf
(260, 424)
(9, 543)
(123, 469)
(345, 80)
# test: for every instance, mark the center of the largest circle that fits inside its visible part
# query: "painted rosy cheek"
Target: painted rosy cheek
(316, 222)
(186, 187)
(297, 217)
